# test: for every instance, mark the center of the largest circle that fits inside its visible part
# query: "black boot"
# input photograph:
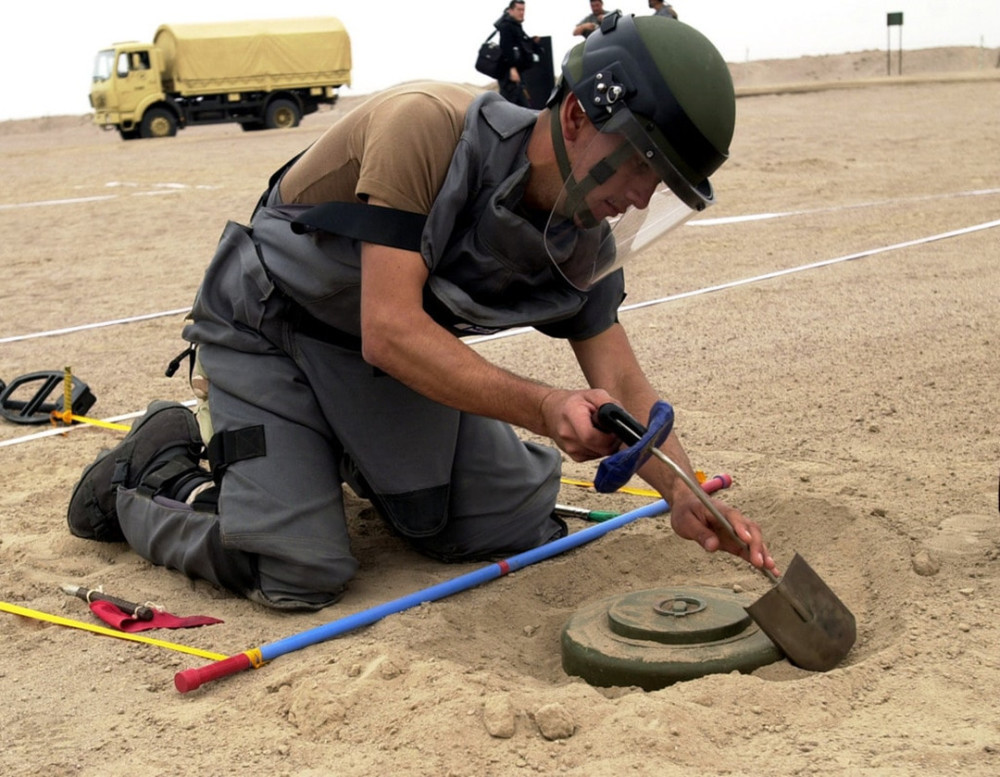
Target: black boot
(161, 454)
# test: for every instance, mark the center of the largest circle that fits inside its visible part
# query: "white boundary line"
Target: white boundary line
(874, 204)
(624, 308)
(150, 190)
(43, 203)
(768, 276)
(814, 265)
(98, 325)
(697, 222)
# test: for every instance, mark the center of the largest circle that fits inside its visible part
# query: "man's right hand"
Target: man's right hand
(568, 420)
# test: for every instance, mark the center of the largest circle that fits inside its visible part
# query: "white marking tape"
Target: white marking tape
(98, 325)
(42, 203)
(511, 332)
(879, 203)
(768, 276)
(522, 330)
(814, 265)
(159, 188)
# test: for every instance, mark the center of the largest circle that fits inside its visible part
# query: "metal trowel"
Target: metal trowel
(801, 615)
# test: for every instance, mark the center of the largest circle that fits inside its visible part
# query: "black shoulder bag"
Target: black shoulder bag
(488, 61)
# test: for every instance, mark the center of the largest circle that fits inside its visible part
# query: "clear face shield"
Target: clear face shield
(622, 195)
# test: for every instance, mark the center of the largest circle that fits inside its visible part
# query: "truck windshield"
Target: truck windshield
(104, 65)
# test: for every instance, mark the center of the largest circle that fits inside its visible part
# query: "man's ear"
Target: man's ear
(572, 117)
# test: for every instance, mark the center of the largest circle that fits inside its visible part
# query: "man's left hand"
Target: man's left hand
(691, 520)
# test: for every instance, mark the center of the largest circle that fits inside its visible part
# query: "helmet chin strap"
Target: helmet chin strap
(574, 205)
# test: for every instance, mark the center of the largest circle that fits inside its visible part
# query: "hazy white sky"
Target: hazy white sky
(47, 50)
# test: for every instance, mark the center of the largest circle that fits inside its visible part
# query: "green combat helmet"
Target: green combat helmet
(665, 88)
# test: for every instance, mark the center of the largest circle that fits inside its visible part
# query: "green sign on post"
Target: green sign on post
(893, 19)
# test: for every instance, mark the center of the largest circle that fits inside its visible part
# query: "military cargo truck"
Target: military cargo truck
(263, 74)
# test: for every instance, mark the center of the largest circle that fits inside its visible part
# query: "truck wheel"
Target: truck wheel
(158, 123)
(282, 114)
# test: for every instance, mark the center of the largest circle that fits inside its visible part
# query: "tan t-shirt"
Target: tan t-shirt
(396, 146)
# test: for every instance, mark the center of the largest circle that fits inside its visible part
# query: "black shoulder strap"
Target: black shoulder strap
(370, 223)
(356, 220)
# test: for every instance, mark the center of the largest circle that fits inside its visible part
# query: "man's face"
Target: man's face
(597, 7)
(631, 185)
(517, 12)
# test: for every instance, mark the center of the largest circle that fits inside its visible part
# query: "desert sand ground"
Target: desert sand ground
(828, 334)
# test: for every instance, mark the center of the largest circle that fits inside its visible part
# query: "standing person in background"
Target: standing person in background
(662, 9)
(517, 53)
(590, 22)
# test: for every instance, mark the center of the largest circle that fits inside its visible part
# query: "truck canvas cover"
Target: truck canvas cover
(255, 54)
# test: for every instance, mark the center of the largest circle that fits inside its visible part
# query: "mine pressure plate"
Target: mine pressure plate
(657, 637)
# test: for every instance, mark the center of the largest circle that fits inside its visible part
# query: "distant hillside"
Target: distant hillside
(863, 64)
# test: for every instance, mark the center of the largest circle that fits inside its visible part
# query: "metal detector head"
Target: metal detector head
(804, 618)
(32, 398)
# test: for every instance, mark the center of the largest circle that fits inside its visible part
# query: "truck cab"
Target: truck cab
(127, 79)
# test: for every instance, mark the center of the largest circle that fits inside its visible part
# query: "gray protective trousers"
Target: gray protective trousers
(457, 486)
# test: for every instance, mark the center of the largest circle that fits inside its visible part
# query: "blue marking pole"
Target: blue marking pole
(190, 679)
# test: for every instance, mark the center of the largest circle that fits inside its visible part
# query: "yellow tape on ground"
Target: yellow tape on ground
(99, 422)
(622, 490)
(699, 475)
(60, 621)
